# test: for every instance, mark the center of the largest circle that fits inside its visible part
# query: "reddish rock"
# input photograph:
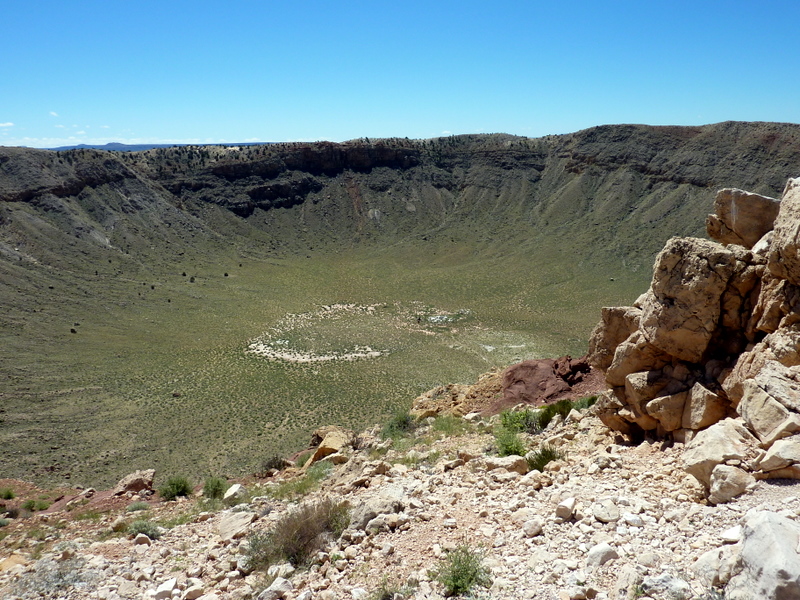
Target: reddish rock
(539, 381)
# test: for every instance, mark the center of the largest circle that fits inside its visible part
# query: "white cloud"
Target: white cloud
(53, 113)
(445, 132)
(60, 126)
(80, 133)
(9, 124)
(104, 127)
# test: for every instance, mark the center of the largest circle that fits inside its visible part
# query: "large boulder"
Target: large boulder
(616, 324)
(139, 481)
(741, 217)
(784, 253)
(682, 310)
(702, 408)
(633, 355)
(771, 402)
(727, 440)
(768, 564)
(334, 440)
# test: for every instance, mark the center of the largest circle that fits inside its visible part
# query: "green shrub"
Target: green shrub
(215, 487)
(508, 442)
(302, 459)
(523, 420)
(543, 455)
(29, 505)
(137, 506)
(584, 403)
(401, 423)
(148, 528)
(462, 571)
(175, 486)
(4, 522)
(298, 535)
(7, 494)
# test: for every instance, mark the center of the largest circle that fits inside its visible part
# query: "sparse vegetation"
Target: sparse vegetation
(7, 494)
(299, 534)
(508, 442)
(174, 487)
(450, 425)
(32, 505)
(214, 488)
(137, 506)
(584, 403)
(543, 455)
(4, 522)
(400, 424)
(521, 420)
(462, 571)
(148, 528)
(302, 485)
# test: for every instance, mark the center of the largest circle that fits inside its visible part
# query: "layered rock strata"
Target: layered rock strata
(710, 354)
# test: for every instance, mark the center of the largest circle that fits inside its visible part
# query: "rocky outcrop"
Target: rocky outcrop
(716, 336)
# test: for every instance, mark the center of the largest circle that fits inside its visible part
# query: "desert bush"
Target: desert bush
(50, 578)
(298, 535)
(547, 412)
(584, 403)
(7, 494)
(273, 462)
(462, 571)
(214, 487)
(543, 455)
(401, 423)
(137, 506)
(32, 505)
(175, 486)
(523, 420)
(4, 522)
(148, 528)
(508, 442)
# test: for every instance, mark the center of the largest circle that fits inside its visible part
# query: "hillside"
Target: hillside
(133, 283)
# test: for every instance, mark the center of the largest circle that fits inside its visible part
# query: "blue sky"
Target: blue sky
(210, 72)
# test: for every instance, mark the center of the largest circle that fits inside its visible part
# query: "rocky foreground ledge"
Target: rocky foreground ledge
(607, 522)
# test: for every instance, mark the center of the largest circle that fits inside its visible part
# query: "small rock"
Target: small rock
(600, 554)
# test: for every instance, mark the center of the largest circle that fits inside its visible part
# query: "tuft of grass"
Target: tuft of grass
(7, 494)
(175, 486)
(214, 488)
(388, 591)
(400, 424)
(519, 421)
(462, 571)
(546, 414)
(137, 506)
(450, 425)
(543, 455)
(508, 442)
(298, 535)
(301, 486)
(4, 522)
(148, 528)
(584, 403)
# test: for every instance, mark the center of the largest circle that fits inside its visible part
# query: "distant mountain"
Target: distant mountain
(117, 147)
